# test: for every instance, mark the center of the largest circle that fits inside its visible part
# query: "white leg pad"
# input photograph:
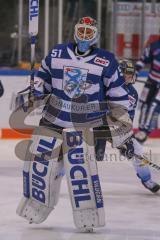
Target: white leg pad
(42, 175)
(83, 180)
(32, 210)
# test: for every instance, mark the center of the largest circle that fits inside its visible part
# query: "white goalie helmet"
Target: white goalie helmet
(86, 33)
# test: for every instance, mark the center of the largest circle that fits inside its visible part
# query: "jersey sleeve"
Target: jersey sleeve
(144, 59)
(114, 82)
(45, 74)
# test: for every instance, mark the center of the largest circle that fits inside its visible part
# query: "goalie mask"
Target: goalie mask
(128, 71)
(86, 33)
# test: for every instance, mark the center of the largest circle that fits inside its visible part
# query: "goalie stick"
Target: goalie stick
(145, 161)
(33, 31)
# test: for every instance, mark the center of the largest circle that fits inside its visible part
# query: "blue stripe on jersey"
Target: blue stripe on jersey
(91, 97)
(61, 94)
(95, 96)
(102, 91)
(118, 83)
(44, 76)
(122, 98)
(73, 117)
(45, 70)
(93, 78)
(58, 73)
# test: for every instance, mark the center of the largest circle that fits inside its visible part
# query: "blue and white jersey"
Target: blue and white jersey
(133, 99)
(151, 56)
(79, 84)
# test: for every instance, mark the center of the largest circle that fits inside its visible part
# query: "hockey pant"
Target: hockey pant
(42, 175)
(149, 106)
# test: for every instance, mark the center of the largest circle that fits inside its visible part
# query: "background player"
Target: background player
(150, 96)
(143, 171)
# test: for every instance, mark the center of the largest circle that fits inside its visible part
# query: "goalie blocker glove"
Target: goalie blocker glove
(23, 97)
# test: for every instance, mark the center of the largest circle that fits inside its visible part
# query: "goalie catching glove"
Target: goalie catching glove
(23, 97)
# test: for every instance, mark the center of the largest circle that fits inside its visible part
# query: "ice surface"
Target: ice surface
(132, 212)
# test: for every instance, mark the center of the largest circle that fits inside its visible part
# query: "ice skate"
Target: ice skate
(152, 186)
(141, 136)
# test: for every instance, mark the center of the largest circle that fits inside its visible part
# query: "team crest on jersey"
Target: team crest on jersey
(74, 81)
(102, 61)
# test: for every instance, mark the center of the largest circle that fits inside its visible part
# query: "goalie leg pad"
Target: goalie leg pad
(42, 175)
(83, 180)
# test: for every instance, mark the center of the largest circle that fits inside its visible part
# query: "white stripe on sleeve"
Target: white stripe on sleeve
(116, 92)
(107, 81)
(44, 65)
